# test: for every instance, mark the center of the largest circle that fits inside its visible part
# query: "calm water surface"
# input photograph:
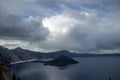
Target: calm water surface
(89, 68)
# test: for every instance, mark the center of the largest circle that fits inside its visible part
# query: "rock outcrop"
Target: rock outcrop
(61, 61)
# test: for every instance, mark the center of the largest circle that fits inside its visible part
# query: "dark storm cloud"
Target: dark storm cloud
(13, 26)
(99, 35)
(76, 25)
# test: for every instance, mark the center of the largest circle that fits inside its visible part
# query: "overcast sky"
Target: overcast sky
(51, 25)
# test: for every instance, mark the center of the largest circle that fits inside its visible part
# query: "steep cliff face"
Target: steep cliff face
(14, 55)
(7, 55)
(5, 73)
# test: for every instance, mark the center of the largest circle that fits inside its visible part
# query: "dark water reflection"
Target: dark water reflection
(89, 68)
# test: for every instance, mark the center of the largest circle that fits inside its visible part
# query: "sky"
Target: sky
(51, 25)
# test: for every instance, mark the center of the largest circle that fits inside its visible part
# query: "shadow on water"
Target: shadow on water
(62, 67)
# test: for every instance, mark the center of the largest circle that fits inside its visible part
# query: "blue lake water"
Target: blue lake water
(89, 68)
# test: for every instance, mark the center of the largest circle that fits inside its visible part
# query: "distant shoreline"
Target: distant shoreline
(19, 54)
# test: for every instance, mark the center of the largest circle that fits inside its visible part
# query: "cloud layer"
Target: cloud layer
(14, 26)
(84, 31)
(82, 26)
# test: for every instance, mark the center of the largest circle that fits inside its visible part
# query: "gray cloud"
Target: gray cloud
(76, 25)
(13, 26)
(86, 31)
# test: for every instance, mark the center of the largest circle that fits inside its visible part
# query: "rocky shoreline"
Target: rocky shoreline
(5, 73)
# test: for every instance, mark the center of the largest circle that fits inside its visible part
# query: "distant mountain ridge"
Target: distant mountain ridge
(18, 54)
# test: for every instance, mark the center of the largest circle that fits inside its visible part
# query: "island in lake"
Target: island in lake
(61, 61)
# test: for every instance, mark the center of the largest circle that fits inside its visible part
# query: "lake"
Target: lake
(89, 68)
